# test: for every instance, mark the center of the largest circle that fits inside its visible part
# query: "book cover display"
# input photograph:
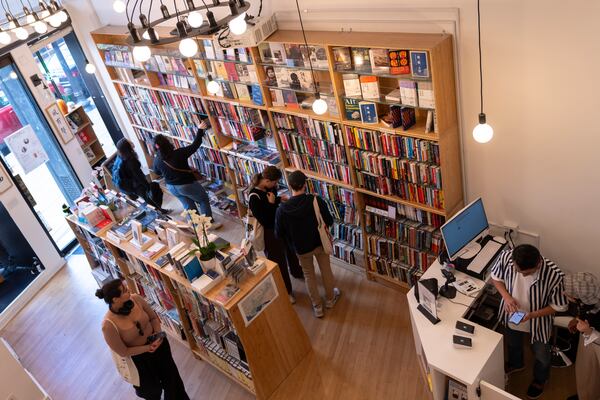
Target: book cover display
(399, 62)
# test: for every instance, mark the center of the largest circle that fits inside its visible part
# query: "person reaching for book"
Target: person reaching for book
(263, 202)
(131, 329)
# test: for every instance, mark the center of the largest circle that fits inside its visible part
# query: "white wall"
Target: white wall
(539, 59)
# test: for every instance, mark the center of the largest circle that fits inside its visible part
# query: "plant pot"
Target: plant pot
(208, 264)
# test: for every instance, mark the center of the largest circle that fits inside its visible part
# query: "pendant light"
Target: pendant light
(89, 67)
(119, 6)
(212, 87)
(319, 106)
(483, 132)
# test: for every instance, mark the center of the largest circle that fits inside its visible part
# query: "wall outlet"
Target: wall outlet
(511, 225)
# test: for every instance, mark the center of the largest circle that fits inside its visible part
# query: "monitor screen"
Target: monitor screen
(460, 230)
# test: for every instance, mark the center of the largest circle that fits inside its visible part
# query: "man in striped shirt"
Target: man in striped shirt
(534, 285)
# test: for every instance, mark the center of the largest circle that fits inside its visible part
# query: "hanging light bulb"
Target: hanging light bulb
(13, 75)
(319, 106)
(54, 20)
(5, 38)
(29, 19)
(212, 87)
(188, 47)
(119, 6)
(142, 53)
(11, 25)
(21, 33)
(146, 35)
(483, 132)
(90, 68)
(63, 16)
(40, 27)
(238, 25)
(195, 19)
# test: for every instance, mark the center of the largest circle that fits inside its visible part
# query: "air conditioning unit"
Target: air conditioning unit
(254, 35)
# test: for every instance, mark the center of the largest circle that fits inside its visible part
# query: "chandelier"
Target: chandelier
(191, 21)
(17, 25)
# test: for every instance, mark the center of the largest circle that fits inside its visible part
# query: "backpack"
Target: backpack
(255, 232)
(116, 172)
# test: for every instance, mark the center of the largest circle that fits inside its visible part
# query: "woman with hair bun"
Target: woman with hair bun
(131, 328)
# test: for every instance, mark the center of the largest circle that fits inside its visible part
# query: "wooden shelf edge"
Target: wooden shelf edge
(390, 282)
(319, 177)
(203, 357)
(396, 199)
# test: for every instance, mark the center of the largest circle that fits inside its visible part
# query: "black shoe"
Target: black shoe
(535, 390)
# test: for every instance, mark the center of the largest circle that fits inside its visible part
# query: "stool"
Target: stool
(559, 358)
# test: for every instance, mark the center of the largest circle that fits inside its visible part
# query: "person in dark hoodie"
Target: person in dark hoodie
(296, 223)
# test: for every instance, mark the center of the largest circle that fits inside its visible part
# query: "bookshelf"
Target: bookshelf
(83, 130)
(258, 356)
(400, 158)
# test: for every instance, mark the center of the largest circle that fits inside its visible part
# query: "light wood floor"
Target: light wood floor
(363, 349)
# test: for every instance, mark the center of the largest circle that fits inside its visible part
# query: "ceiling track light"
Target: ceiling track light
(483, 132)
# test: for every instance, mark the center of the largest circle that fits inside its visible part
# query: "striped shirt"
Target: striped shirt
(547, 290)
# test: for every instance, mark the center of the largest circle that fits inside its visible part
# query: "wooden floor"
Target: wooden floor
(363, 349)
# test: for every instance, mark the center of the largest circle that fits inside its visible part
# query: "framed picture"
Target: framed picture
(5, 182)
(258, 299)
(59, 123)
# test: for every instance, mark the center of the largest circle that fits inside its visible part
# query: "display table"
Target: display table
(438, 357)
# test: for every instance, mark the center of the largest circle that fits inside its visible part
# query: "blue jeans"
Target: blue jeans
(541, 352)
(191, 195)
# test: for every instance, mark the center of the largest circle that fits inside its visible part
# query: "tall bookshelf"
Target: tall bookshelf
(390, 188)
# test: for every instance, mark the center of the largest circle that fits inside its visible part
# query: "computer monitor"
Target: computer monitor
(461, 232)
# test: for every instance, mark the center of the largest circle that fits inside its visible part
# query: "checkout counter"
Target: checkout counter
(479, 369)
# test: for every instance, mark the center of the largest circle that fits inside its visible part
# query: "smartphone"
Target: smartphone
(517, 317)
(156, 336)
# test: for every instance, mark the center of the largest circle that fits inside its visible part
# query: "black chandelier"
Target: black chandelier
(47, 13)
(190, 21)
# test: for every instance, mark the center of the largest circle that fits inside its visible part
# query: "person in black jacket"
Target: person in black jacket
(181, 181)
(296, 223)
(129, 178)
(263, 202)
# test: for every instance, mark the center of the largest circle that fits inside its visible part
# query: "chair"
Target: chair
(561, 345)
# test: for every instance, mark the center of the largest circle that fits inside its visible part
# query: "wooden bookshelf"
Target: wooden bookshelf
(274, 343)
(83, 129)
(445, 135)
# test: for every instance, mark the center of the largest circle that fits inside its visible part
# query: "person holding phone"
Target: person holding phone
(532, 290)
(131, 328)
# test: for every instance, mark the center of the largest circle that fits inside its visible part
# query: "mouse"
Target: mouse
(499, 239)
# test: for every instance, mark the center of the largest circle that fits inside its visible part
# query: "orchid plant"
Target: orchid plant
(200, 224)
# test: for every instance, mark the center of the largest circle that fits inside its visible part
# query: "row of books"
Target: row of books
(246, 150)
(317, 148)
(225, 362)
(146, 139)
(122, 58)
(405, 190)
(212, 155)
(240, 91)
(182, 102)
(325, 167)
(390, 249)
(133, 76)
(212, 171)
(322, 130)
(240, 131)
(350, 234)
(406, 92)
(395, 270)
(348, 253)
(231, 71)
(294, 79)
(397, 168)
(392, 210)
(144, 108)
(178, 81)
(212, 52)
(415, 234)
(296, 100)
(148, 122)
(167, 64)
(293, 55)
(382, 61)
(238, 113)
(340, 201)
(393, 145)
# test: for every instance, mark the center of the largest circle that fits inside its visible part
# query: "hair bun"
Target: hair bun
(100, 293)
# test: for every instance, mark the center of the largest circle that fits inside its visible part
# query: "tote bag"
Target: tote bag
(125, 365)
(323, 231)
(255, 232)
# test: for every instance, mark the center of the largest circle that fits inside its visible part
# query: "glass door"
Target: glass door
(34, 158)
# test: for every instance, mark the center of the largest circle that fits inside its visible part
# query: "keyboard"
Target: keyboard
(482, 259)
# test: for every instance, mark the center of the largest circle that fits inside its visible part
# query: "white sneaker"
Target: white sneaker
(318, 310)
(292, 298)
(336, 296)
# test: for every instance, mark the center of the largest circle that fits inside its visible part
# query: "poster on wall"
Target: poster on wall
(5, 182)
(27, 149)
(59, 123)
(258, 299)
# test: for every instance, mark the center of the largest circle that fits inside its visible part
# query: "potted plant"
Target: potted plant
(205, 250)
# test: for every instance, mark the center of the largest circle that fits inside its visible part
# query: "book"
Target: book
(282, 76)
(191, 268)
(200, 70)
(341, 59)
(242, 72)
(408, 92)
(369, 86)
(332, 107)
(220, 70)
(399, 62)
(394, 96)
(252, 74)
(352, 85)
(226, 294)
(429, 122)
(232, 74)
(306, 80)
(396, 116)
(295, 80)
(228, 90)
(278, 53)
(290, 99)
(352, 109)
(257, 97)
(265, 52)
(277, 97)
(293, 53)
(420, 64)
(270, 77)
(379, 61)
(361, 59)
(425, 94)
(408, 117)
(368, 112)
(209, 49)
(242, 91)
(318, 57)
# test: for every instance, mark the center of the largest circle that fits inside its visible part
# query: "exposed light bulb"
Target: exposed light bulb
(5, 38)
(11, 25)
(13, 75)
(29, 19)
(90, 68)
(119, 6)
(142, 53)
(146, 35)
(44, 14)
(195, 19)
(188, 47)
(319, 106)
(21, 33)
(483, 132)
(63, 16)
(238, 25)
(213, 87)
(54, 20)
(40, 27)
